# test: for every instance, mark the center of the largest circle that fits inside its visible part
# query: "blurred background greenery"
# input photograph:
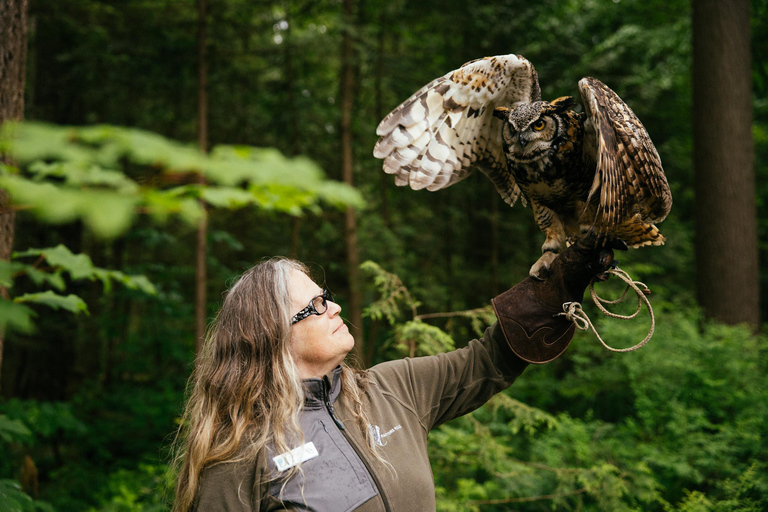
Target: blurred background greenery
(110, 193)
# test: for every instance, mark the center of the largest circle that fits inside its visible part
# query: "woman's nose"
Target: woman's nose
(333, 308)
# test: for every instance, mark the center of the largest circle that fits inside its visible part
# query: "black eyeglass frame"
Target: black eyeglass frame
(311, 309)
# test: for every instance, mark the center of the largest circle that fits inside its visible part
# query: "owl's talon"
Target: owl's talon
(540, 269)
(606, 260)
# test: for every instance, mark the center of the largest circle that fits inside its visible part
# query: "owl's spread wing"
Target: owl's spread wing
(629, 177)
(439, 135)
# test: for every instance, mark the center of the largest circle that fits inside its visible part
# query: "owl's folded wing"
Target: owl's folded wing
(629, 177)
(439, 135)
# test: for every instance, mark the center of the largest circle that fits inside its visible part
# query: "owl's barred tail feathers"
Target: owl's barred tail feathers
(637, 233)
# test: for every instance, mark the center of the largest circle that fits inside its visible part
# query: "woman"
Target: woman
(276, 421)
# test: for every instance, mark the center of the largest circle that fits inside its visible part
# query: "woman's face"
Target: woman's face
(319, 343)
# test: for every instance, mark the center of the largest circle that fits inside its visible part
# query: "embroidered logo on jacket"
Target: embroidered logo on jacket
(378, 437)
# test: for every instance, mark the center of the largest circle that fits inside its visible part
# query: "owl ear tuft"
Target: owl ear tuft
(502, 113)
(563, 103)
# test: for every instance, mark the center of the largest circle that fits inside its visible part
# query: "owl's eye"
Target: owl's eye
(539, 125)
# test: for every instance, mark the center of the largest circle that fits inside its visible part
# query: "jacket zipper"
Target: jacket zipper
(376, 482)
(336, 420)
(370, 471)
(329, 405)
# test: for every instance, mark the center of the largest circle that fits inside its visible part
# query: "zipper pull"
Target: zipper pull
(333, 415)
(328, 404)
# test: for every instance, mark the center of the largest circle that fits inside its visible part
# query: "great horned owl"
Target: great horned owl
(596, 170)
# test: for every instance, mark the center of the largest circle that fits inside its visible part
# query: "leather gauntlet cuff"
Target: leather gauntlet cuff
(527, 311)
(527, 319)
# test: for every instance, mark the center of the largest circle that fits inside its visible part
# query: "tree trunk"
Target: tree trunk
(384, 179)
(727, 269)
(347, 167)
(293, 118)
(13, 56)
(201, 274)
(290, 85)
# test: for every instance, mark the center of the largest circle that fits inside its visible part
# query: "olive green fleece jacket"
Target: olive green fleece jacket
(405, 400)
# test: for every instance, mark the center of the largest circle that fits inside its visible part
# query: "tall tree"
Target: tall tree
(13, 56)
(201, 274)
(347, 93)
(727, 268)
(293, 113)
(379, 112)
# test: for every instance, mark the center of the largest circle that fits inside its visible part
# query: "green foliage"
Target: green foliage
(393, 294)
(30, 423)
(520, 417)
(59, 261)
(13, 499)
(16, 317)
(84, 173)
(71, 303)
(79, 266)
(13, 431)
(415, 338)
(743, 494)
(144, 489)
(25, 425)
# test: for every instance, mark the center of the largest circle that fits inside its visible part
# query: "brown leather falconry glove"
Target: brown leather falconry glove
(527, 311)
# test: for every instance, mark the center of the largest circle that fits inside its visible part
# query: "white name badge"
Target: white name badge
(296, 456)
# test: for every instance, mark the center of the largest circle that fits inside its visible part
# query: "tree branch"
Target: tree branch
(466, 312)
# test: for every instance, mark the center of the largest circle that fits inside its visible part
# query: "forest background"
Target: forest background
(126, 237)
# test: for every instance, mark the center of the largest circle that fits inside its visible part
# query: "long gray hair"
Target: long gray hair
(245, 392)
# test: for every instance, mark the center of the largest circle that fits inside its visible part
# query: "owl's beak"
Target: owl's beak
(523, 138)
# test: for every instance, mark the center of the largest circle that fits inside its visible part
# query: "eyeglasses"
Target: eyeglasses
(317, 306)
